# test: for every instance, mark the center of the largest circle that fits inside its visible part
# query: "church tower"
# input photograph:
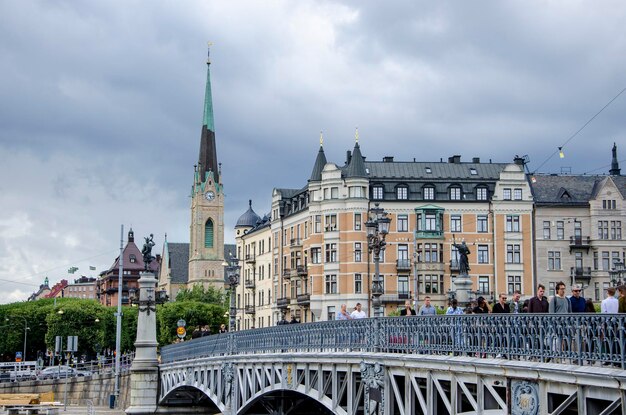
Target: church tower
(206, 243)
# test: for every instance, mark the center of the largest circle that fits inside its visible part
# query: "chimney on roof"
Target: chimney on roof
(456, 159)
(388, 159)
(518, 160)
(476, 160)
(348, 157)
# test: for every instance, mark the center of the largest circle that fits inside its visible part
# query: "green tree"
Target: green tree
(198, 292)
(194, 313)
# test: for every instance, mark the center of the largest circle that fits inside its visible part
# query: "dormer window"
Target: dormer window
(402, 193)
(473, 171)
(481, 193)
(377, 192)
(429, 170)
(455, 193)
(429, 192)
(133, 258)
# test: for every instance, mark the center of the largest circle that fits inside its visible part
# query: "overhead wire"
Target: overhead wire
(560, 148)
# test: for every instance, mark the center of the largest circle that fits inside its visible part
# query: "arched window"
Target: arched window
(208, 234)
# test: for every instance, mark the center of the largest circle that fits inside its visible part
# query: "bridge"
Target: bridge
(491, 364)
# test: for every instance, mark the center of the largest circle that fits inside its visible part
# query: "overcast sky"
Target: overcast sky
(101, 105)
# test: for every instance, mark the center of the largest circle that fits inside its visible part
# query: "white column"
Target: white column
(144, 372)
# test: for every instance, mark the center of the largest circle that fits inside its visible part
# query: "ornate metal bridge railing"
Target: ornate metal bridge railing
(568, 338)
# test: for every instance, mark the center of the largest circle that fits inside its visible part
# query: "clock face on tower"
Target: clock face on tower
(209, 195)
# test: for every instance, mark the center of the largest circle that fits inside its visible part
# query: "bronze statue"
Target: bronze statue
(147, 252)
(463, 252)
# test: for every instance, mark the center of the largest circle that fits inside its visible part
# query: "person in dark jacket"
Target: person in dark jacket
(539, 303)
(501, 306)
(577, 301)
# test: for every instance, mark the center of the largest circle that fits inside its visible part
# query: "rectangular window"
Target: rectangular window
(316, 255)
(356, 191)
(554, 260)
(334, 192)
(403, 255)
(357, 252)
(483, 284)
(331, 253)
(483, 254)
(377, 192)
(560, 230)
(517, 194)
(514, 283)
(331, 284)
(506, 194)
(402, 193)
(481, 193)
(595, 260)
(358, 284)
(513, 254)
(455, 223)
(432, 253)
(616, 229)
(455, 193)
(512, 223)
(606, 261)
(546, 229)
(357, 221)
(318, 223)
(481, 224)
(603, 229)
(431, 284)
(403, 286)
(403, 223)
(330, 310)
(429, 193)
(330, 223)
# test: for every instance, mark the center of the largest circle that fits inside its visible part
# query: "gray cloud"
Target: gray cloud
(102, 104)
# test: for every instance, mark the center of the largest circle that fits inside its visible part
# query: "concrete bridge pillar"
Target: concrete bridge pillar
(144, 372)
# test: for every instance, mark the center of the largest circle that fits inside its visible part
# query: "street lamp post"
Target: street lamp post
(232, 272)
(377, 229)
(26, 328)
(616, 273)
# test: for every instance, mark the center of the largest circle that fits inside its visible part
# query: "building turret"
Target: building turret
(615, 170)
(320, 162)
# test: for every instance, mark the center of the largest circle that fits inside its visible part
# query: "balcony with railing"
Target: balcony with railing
(403, 265)
(282, 302)
(302, 271)
(250, 258)
(286, 274)
(295, 242)
(249, 283)
(579, 242)
(581, 273)
(304, 299)
(395, 297)
(250, 309)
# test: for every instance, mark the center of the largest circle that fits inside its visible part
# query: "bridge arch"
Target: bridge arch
(185, 396)
(289, 401)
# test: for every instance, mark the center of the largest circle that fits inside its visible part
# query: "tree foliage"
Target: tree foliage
(198, 292)
(194, 313)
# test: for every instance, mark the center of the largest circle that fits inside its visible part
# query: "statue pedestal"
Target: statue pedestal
(462, 285)
(144, 372)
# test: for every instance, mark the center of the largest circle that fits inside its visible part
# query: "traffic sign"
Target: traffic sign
(18, 356)
(181, 332)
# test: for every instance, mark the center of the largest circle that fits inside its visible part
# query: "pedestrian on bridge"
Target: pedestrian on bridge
(610, 303)
(577, 301)
(539, 303)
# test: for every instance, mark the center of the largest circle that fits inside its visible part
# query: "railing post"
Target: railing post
(231, 343)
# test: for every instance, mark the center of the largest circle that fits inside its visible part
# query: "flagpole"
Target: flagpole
(118, 333)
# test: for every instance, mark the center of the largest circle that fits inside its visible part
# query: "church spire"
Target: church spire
(615, 170)
(207, 160)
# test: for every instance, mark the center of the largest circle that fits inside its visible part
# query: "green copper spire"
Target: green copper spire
(208, 101)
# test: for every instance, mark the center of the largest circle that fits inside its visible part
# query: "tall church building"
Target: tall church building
(200, 261)
(206, 242)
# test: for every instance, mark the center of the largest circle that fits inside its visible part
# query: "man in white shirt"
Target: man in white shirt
(610, 303)
(358, 313)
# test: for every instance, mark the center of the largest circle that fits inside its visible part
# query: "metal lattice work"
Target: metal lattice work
(390, 383)
(570, 338)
